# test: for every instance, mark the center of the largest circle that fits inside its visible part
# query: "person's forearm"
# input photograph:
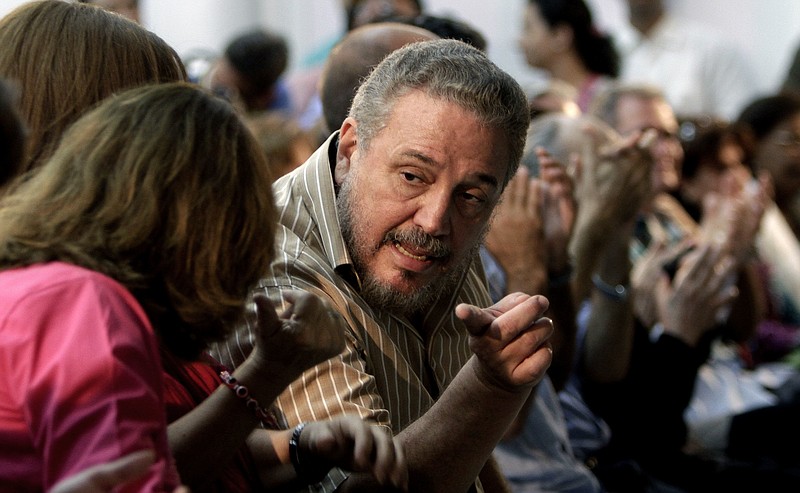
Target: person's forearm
(460, 430)
(448, 446)
(587, 240)
(609, 332)
(222, 419)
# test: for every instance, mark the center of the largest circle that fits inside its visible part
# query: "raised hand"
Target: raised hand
(731, 218)
(307, 333)
(614, 179)
(516, 237)
(559, 210)
(688, 305)
(510, 340)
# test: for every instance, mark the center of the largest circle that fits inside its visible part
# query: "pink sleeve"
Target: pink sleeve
(91, 380)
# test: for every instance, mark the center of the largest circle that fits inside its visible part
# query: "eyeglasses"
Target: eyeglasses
(661, 134)
(787, 138)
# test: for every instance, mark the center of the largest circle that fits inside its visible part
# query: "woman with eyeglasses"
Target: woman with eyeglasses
(773, 123)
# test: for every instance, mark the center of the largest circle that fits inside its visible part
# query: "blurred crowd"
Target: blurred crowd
(401, 270)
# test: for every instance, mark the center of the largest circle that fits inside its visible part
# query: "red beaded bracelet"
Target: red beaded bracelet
(242, 392)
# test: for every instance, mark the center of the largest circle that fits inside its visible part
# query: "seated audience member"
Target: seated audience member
(536, 454)
(682, 305)
(773, 124)
(728, 384)
(559, 37)
(396, 204)
(115, 54)
(285, 145)
(699, 71)
(87, 255)
(352, 59)
(716, 165)
(249, 72)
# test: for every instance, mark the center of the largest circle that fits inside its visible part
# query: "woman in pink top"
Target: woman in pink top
(132, 225)
(143, 233)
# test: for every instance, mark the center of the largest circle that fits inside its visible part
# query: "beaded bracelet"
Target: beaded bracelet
(242, 392)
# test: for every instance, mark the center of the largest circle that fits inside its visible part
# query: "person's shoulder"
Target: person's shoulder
(52, 275)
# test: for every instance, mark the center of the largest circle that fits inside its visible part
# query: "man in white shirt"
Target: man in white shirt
(698, 70)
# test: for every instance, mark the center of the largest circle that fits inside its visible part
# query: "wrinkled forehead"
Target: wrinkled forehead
(636, 112)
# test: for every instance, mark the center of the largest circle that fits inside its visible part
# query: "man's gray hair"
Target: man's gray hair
(605, 104)
(451, 70)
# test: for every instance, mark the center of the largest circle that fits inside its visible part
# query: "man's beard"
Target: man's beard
(375, 292)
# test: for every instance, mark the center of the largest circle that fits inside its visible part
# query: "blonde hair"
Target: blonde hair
(163, 189)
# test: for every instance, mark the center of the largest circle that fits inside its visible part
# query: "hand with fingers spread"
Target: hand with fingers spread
(732, 216)
(516, 237)
(612, 185)
(614, 179)
(511, 340)
(309, 326)
(646, 274)
(306, 333)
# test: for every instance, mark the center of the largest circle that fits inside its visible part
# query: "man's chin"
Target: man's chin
(402, 298)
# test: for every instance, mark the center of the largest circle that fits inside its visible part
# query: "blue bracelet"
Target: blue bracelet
(617, 292)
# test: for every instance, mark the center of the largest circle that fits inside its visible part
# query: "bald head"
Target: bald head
(353, 59)
(563, 135)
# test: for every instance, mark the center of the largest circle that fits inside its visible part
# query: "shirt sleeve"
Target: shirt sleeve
(89, 380)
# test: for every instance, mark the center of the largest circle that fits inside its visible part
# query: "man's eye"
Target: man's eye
(410, 177)
(472, 199)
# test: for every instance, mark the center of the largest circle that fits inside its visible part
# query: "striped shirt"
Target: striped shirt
(390, 372)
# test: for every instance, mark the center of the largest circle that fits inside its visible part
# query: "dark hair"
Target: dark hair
(163, 189)
(12, 135)
(762, 115)
(444, 27)
(702, 139)
(260, 57)
(354, 7)
(595, 49)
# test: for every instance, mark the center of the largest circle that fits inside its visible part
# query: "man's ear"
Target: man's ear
(348, 146)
